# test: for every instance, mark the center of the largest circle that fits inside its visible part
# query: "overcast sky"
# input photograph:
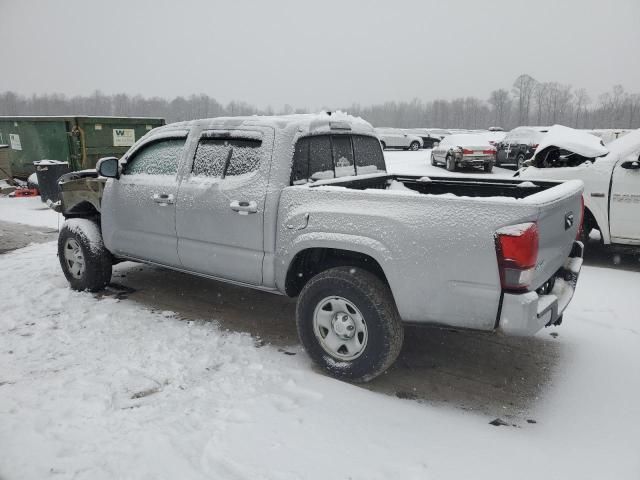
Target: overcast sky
(312, 54)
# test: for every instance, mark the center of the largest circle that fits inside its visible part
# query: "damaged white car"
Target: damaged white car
(611, 177)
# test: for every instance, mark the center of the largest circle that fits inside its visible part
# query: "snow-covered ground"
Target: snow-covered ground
(96, 387)
(28, 211)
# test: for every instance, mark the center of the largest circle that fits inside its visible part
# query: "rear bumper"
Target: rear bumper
(467, 160)
(526, 313)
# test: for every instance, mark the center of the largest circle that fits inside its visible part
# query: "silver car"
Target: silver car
(464, 150)
(396, 138)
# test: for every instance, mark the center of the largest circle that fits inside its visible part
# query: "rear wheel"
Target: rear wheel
(414, 146)
(348, 323)
(85, 261)
(520, 161)
(488, 167)
(450, 163)
(433, 160)
(383, 145)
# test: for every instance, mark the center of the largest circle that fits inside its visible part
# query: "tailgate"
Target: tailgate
(560, 214)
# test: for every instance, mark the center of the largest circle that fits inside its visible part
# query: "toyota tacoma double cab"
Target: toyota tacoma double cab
(303, 206)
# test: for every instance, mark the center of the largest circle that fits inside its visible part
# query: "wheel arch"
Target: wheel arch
(310, 261)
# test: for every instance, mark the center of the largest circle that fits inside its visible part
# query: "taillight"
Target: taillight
(466, 151)
(517, 251)
(491, 151)
(581, 227)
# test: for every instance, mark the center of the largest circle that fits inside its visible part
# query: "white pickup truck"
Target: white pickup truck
(611, 181)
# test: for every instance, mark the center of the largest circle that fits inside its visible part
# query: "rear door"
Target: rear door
(220, 205)
(138, 209)
(624, 208)
(503, 150)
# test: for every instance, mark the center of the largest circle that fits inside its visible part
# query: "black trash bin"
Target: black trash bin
(48, 173)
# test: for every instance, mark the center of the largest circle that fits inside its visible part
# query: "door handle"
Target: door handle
(163, 199)
(243, 207)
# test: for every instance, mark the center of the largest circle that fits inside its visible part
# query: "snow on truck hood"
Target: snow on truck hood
(575, 141)
(626, 146)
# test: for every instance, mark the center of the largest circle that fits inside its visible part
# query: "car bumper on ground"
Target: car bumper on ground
(526, 313)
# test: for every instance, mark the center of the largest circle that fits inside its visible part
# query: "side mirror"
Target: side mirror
(631, 165)
(108, 167)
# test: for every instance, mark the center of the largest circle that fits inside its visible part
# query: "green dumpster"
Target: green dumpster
(79, 140)
(5, 164)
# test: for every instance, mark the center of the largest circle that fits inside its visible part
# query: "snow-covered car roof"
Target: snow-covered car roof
(573, 140)
(305, 123)
(462, 139)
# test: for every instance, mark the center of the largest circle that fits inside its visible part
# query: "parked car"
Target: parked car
(611, 182)
(519, 145)
(429, 140)
(494, 137)
(234, 199)
(396, 138)
(438, 132)
(464, 150)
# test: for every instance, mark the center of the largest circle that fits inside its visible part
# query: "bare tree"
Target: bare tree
(581, 100)
(501, 103)
(523, 89)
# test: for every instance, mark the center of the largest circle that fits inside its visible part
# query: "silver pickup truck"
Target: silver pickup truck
(303, 206)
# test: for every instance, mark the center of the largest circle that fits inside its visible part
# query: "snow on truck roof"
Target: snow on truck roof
(305, 123)
(573, 140)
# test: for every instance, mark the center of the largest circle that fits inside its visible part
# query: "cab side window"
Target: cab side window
(226, 157)
(157, 158)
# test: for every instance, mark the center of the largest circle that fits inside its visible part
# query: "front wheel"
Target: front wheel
(348, 323)
(414, 146)
(450, 163)
(85, 261)
(520, 161)
(433, 160)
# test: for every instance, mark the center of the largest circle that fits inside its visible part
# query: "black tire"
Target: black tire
(373, 298)
(383, 145)
(450, 163)
(488, 167)
(519, 161)
(82, 237)
(414, 146)
(433, 160)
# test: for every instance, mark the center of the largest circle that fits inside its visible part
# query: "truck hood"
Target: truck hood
(576, 141)
(626, 146)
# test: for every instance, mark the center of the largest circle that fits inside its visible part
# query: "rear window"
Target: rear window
(330, 156)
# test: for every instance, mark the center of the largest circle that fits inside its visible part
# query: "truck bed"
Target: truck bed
(458, 186)
(434, 236)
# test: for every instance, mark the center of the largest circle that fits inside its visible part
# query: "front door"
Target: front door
(624, 218)
(138, 209)
(220, 205)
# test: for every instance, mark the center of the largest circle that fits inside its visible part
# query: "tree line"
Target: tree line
(526, 102)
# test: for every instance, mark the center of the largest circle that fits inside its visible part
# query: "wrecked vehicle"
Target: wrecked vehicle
(611, 177)
(302, 206)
